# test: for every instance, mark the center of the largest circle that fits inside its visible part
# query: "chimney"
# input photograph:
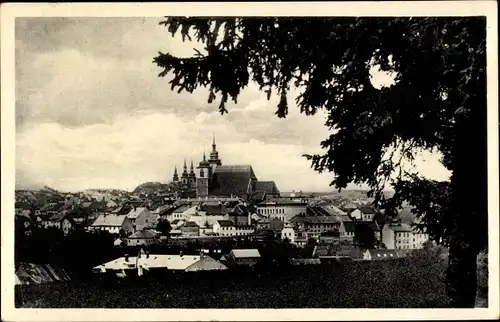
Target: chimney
(147, 254)
(126, 257)
(180, 253)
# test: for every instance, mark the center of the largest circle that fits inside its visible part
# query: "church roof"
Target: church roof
(267, 187)
(232, 179)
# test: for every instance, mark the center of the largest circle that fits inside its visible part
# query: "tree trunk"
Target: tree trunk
(469, 204)
(462, 276)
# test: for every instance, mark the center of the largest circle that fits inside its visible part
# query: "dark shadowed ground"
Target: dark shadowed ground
(395, 284)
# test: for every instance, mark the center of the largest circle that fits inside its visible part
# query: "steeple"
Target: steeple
(191, 173)
(214, 155)
(176, 176)
(185, 173)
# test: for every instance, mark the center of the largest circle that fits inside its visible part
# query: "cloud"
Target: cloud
(133, 150)
(92, 112)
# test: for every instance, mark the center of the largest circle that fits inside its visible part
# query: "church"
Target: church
(213, 179)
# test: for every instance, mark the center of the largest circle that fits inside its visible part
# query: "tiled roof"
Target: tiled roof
(109, 220)
(225, 223)
(314, 219)
(246, 253)
(267, 187)
(134, 213)
(141, 234)
(191, 224)
(181, 209)
(228, 180)
(367, 210)
(172, 262)
(215, 209)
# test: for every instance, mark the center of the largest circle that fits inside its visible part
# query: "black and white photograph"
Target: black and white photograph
(189, 157)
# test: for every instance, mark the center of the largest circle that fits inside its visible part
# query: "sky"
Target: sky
(91, 112)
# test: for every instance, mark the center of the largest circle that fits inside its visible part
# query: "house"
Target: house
(183, 212)
(146, 220)
(144, 263)
(329, 237)
(141, 238)
(177, 223)
(142, 218)
(224, 228)
(363, 213)
(190, 228)
(282, 208)
(247, 257)
(275, 224)
(403, 236)
(347, 229)
(289, 232)
(313, 226)
(112, 224)
(61, 221)
(354, 253)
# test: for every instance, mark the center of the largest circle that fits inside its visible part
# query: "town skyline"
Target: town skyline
(91, 113)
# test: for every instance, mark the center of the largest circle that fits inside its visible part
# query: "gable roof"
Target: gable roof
(142, 234)
(215, 209)
(136, 212)
(246, 253)
(268, 187)
(191, 224)
(225, 223)
(110, 220)
(181, 209)
(232, 179)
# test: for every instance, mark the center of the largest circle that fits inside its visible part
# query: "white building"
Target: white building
(112, 224)
(184, 212)
(205, 220)
(364, 213)
(289, 232)
(403, 237)
(282, 208)
(227, 228)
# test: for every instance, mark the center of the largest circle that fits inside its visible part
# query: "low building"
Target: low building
(382, 254)
(313, 226)
(112, 224)
(183, 212)
(142, 218)
(364, 213)
(248, 257)
(190, 228)
(60, 221)
(141, 238)
(143, 264)
(282, 208)
(403, 236)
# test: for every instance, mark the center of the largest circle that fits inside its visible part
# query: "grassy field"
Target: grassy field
(392, 284)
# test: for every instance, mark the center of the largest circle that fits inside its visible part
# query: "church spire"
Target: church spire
(176, 176)
(185, 173)
(214, 155)
(213, 143)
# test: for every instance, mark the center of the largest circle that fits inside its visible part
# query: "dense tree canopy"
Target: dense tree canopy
(437, 102)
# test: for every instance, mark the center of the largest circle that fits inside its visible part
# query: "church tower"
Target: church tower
(192, 177)
(176, 176)
(185, 175)
(214, 160)
(203, 177)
